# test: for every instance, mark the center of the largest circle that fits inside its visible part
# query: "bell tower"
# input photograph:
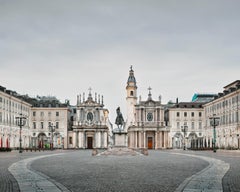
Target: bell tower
(131, 98)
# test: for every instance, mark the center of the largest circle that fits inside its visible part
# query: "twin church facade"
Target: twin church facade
(148, 123)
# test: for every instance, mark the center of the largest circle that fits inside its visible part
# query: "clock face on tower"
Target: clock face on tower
(149, 116)
(90, 116)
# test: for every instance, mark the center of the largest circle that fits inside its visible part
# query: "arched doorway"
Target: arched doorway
(193, 140)
(177, 141)
(42, 141)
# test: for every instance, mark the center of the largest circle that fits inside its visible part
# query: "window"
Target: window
(49, 113)
(192, 125)
(185, 114)
(149, 116)
(1, 99)
(49, 124)
(42, 113)
(200, 114)
(70, 140)
(0, 117)
(178, 114)
(34, 134)
(41, 125)
(89, 116)
(57, 125)
(200, 125)
(34, 125)
(34, 113)
(57, 113)
(178, 125)
(131, 93)
(192, 114)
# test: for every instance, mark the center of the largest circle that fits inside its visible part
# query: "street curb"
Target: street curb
(201, 181)
(32, 180)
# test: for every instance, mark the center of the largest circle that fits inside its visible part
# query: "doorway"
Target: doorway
(89, 142)
(150, 142)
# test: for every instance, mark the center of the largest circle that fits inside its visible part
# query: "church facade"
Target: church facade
(91, 126)
(145, 119)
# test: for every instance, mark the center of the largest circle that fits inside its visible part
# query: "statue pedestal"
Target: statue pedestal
(119, 138)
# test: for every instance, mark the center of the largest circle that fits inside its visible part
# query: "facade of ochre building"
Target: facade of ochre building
(91, 126)
(145, 121)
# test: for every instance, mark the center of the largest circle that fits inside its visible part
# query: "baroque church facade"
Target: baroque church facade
(145, 119)
(91, 125)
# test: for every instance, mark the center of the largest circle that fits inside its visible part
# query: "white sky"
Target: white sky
(63, 47)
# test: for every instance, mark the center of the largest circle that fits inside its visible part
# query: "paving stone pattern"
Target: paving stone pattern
(80, 171)
(30, 180)
(208, 180)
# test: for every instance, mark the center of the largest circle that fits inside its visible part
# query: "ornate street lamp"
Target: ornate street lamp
(184, 130)
(21, 121)
(51, 129)
(214, 121)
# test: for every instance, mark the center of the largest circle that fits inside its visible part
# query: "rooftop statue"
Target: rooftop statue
(119, 120)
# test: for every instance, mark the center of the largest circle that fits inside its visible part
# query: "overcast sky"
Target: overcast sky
(61, 48)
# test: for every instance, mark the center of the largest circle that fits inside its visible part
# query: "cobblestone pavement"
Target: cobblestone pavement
(80, 171)
(208, 179)
(232, 177)
(7, 182)
(159, 171)
(29, 180)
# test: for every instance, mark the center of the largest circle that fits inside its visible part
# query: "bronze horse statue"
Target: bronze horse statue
(119, 120)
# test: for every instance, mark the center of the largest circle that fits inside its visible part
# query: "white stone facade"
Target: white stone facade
(12, 106)
(43, 119)
(227, 108)
(91, 125)
(145, 121)
(190, 116)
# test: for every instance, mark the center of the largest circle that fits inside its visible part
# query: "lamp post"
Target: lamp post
(51, 129)
(21, 121)
(214, 121)
(184, 130)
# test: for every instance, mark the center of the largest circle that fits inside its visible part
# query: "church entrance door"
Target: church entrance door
(150, 142)
(89, 142)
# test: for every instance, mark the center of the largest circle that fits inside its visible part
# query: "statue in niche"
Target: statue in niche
(119, 120)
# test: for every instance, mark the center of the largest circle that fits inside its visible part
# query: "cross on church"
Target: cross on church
(149, 88)
(131, 67)
(90, 89)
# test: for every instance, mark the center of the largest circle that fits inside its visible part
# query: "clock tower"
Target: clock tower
(131, 98)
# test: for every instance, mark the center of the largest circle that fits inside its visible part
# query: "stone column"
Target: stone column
(144, 139)
(136, 139)
(77, 141)
(95, 139)
(74, 139)
(140, 139)
(166, 139)
(160, 139)
(156, 140)
(105, 139)
(132, 139)
(84, 139)
(101, 139)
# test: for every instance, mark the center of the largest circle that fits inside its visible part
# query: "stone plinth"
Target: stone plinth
(119, 138)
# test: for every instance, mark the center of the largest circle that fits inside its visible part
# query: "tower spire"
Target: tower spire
(149, 93)
(131, 78)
